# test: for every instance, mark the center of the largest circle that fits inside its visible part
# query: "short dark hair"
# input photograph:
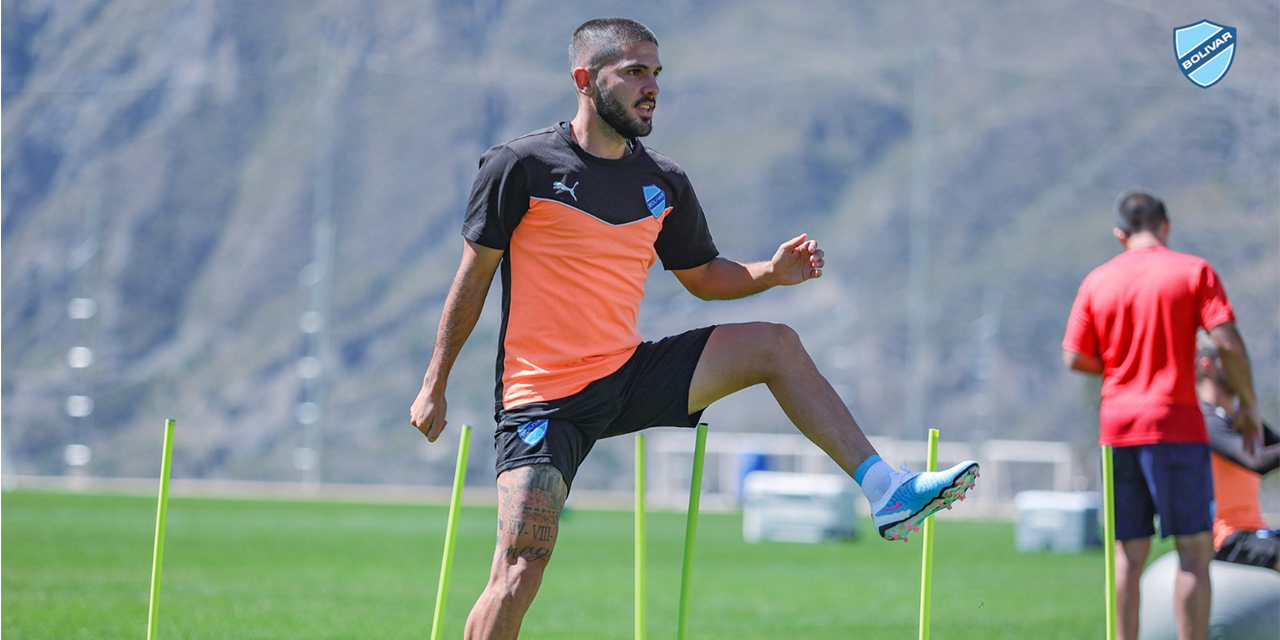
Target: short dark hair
(599, 42)
(1138, 210)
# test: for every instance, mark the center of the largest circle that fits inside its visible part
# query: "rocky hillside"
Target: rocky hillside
(262, 200)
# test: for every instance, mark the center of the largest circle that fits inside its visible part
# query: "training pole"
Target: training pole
(157, 557)
(639, 536)
(1109, 550)
(926, 572)
(451, 534)
(691, 530)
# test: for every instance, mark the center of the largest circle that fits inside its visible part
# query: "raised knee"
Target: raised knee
(778, 339)
(768, 349)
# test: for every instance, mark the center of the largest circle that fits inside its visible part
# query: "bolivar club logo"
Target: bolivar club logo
(1205, 51)
(656, 199)
(532, 432)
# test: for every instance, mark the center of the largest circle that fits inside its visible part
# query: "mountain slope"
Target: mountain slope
(172, 163)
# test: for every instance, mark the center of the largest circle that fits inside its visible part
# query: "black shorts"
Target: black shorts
(1171, 480)
(1258, 548)
(651, 389)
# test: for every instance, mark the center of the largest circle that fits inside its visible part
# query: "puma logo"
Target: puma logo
(561, 188)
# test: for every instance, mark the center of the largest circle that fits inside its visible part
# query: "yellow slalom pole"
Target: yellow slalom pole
(640, 526)
(690, 533)
(157, 557)
(926, 572)
(1109, 549)
(451, 534)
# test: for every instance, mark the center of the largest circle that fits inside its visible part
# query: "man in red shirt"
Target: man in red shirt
(1134, 322)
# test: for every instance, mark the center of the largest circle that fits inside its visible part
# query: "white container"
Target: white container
(1062, 521)
(798, 507)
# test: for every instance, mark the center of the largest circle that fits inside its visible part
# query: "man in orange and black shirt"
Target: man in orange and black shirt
(1239, 533)
(573, 216)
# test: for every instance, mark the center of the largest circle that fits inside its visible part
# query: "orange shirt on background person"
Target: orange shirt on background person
(1235, 492)
(1237, 474)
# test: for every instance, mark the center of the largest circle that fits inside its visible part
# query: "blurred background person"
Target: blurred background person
(1134, 322)
(1239, 533)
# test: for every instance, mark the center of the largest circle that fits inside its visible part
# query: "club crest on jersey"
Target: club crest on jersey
(532, 432)
(656, 199)
(1205, 51)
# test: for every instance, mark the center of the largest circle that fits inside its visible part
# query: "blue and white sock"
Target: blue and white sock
(873, 476)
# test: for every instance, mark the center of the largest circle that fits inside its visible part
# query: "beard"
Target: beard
(616, 115)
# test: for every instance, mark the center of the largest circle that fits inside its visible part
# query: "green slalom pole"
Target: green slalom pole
(1109, 506)
(451, 534)
(640, 536)
(691, 531)
(157, 557)
(926, 573)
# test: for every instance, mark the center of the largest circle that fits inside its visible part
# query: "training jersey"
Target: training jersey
(1235, 497)
(579, 234)
(1140, 312)
(1237, 477)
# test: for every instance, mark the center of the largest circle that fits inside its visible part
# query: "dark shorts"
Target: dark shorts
(651, 389)
(1173, 481)
(1258, 548)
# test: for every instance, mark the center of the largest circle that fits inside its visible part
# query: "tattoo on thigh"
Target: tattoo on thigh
(530, 500)
(512, 527)
(529, 553)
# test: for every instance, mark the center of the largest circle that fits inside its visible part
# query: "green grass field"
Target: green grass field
(79, 566)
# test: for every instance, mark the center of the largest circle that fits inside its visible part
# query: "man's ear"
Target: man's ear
(582, 81)
(1120, 235)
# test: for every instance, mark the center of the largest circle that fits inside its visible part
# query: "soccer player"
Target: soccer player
(1134, 322)
(572, 216)
(1239, 533)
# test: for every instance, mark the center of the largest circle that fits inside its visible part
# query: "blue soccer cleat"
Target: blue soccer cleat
(914, 496)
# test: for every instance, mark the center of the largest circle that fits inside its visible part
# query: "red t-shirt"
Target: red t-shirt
(1139, 313)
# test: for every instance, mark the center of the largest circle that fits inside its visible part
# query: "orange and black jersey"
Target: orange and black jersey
(580, 233)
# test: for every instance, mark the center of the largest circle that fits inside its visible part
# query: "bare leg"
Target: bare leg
(1131, 559)
(738, 356)
(1191, 590)
(530, 500)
